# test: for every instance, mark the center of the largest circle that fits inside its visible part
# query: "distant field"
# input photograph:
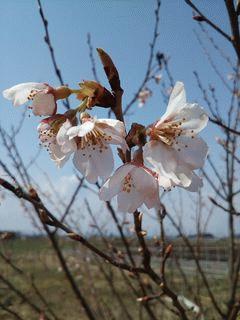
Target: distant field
(35, 257)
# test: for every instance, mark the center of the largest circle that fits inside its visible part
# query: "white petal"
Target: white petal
(115, 129)
(43, 126)
(93, 163)
(60, 162)
(165, 161)
(57, 155)
(129, 201)
(85, 128)
(177, 100)
(165, 182)
(196, 184)
(147, 186)
(115, 124)
(195, 117)
(63, 140)
(19, 93)
(185, 175)
(163, 158)
(84, 165)
(193, 152)
(61, 135)
(43, 104)
(81, 130)
(114, 184)
(73, 132)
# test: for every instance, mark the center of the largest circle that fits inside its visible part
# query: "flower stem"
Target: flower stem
(75, 91)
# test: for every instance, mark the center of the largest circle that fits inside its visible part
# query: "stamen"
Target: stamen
(127, 183)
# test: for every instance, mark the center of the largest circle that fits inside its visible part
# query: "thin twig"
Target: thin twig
(52, 53)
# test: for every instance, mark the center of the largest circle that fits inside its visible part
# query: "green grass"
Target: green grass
(37, 259)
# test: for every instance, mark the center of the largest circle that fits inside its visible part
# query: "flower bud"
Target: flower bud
(96, 95)
(198, 18)
(168, 250)
(136, 136)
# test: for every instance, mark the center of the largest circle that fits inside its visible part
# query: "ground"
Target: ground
(112, 297)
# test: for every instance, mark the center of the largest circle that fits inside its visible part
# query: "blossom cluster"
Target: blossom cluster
(168, 156)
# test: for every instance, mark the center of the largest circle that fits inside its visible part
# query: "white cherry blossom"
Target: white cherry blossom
(174, 149)
(53, 136)
(41, 94)
(133, 185)
(143, 96)
(94, 157)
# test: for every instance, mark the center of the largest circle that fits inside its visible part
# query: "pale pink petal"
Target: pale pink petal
(193, 119)
(165, 161)
(114, 129)
(133, 186)
(192, 152)
(93, 163)
(196, 184)
(163, 158)
(85, 128)
(176, 102)
(20, 92)
(60, 162)
(81, 130)
(129, 201)
(86, 167)
(165, 182)
(115, 124)
(185, 175)
(57, 155)
(147, 185)
(43, 104)
(73, 132)
(113, 185)
(43, 126)
(61, 135)
(63, 140)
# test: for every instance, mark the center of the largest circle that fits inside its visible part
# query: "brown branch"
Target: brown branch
(205, 19)
(233, 17)
(34, 307)
(51, 220)
(224, 126)
(205, 281)
(71, 202)
(76, 290)
(114, 81)
(115, 263)
(147, 76)
(114, 290)
(232, 211)
(50, 47)
(140, 234)
(19, 271)
(94, 71)
(13, 313)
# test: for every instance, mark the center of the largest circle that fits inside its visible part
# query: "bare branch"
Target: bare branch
(205, 19)
(50, 47)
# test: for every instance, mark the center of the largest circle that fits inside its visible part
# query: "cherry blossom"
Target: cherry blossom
(42, 95)
(143, 96)
(133, 185)
(53, 136)
(174, 149)
(94, 157)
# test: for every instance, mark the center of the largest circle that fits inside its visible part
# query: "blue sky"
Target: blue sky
(124, 29)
